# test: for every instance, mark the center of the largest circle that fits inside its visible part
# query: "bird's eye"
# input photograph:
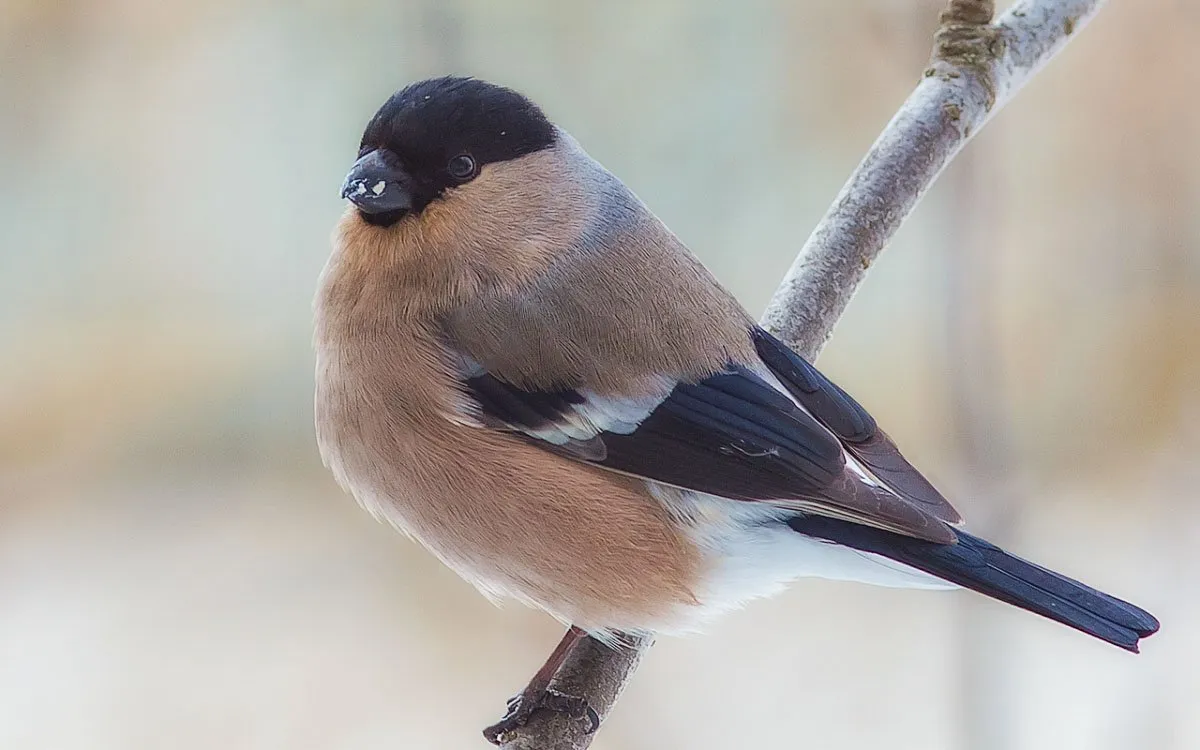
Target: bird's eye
(461, 167)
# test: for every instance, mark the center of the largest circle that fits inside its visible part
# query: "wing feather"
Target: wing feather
(857, 430)
(732, 434)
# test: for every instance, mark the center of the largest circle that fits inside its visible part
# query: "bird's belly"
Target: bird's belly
(589, 546)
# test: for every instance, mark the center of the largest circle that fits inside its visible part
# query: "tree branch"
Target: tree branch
(975, 68)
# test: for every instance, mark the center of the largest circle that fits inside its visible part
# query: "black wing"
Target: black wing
(732, 435)
(852, 424)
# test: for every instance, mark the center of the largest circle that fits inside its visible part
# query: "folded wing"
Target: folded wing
(733, 435)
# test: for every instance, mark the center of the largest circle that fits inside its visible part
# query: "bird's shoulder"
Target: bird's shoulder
(624, 304)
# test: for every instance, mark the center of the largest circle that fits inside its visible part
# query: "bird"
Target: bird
(522, 368)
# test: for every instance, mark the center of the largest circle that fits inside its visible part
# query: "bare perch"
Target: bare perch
(976, 67)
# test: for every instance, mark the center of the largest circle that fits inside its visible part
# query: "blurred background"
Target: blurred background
(178, 570)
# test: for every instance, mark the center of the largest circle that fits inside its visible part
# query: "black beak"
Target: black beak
(377, 184)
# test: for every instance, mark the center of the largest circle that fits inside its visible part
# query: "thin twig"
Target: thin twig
(976, 67)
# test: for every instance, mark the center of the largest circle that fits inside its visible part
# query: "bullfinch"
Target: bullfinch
(522, 368)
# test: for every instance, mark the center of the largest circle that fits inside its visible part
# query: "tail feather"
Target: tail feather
(978, 565)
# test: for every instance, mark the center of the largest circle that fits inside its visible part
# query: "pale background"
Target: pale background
(178, 571)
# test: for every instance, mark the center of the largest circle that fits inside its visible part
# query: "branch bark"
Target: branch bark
(976, 67)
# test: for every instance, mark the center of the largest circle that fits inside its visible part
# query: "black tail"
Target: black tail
(981, 566)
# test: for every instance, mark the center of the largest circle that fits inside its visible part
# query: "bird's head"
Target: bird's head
(436, 137)
(464, 189)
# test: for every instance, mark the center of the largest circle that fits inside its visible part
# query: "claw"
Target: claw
(573, 706)
(521, 707)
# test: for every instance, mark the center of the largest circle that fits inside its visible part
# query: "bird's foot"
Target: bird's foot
(523, 705)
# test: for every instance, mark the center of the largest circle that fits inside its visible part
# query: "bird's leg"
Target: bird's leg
(537, 694)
